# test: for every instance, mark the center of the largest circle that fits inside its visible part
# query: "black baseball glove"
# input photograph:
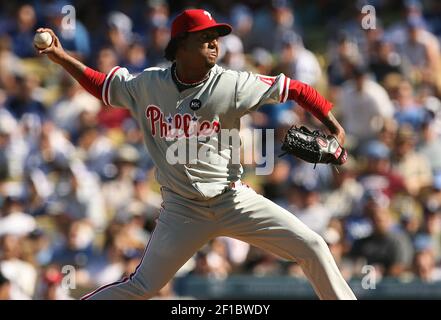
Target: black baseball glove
(313, 146)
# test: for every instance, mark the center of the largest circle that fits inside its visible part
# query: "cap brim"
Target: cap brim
(222, 28)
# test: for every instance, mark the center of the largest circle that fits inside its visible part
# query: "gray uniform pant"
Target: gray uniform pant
(184, 226)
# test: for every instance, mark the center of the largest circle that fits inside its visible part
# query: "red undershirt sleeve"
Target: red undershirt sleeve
(93, 82)
(308, 98)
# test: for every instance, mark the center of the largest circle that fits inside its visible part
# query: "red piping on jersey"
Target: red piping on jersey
(107, 86)
(284, 90)
(87, 296)
(307, 97)
(93, 82)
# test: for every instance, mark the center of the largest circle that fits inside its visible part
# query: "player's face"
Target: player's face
(202, 47)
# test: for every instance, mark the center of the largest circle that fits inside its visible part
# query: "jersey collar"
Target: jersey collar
(182, 86)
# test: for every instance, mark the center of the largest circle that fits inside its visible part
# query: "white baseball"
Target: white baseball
(42, 40)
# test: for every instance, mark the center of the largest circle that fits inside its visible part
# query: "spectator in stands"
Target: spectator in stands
(78, 190)
(157, 13)
(51, 286)
(48, 150)
(318, 178)
(25, 99)
(95, 149)
(201, 267)
(136, 57)
(242, 23)
(268, 266)
(108, 267)
(410, 9)
(76, 251)
(133, 136)
(431, 228)
(4, 144)
(342, 55)
(119, 191)
(22, 136)
(350, 21)
(276, 184)
(378, 174)
(371, 37)
(407, 109)
(425, 268)
(217, 259)
(119, 33)
(23, 31)
(159, 37)
(296, 61)
(40, 246)
(7, 121)
(385, 61)
(106, 59)
(66, 111)
(388, 133)
(11, 66)
(345, 192)
(430, 145)
(13, 219)
(364, 106)
(305, 204)
(237, 252)
(413, 167)
(72, 33)
(389, 249)
(232, 55)
(145, 203)
(37, 191)
(430, 99)
(261, 263)
(21, 274)
(410, 214)
(422, 50)
(262, 61)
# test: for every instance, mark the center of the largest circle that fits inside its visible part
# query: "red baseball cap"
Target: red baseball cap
(193, 20)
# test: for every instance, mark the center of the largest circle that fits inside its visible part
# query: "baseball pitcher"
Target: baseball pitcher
(204, 198)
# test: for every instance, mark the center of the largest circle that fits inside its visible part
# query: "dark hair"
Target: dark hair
(172, 47)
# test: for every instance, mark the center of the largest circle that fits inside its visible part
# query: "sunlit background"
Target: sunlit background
(78, 199)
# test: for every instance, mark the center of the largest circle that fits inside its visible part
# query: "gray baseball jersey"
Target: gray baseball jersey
(197, 206)
(166, 115)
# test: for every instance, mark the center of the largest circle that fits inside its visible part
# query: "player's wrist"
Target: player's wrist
(63, 57)
(340, 136)
(334, 128)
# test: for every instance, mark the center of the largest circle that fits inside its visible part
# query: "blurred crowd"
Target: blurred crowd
(77, 186)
